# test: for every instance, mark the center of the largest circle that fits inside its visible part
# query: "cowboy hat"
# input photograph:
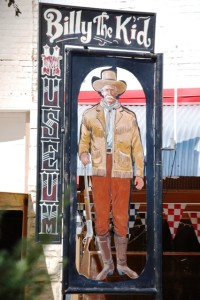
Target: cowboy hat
(108, 76)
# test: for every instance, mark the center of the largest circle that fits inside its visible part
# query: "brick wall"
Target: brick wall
(16, 56)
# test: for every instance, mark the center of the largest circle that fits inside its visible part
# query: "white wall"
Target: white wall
(13, 152)
(16, 56)
(15, 94)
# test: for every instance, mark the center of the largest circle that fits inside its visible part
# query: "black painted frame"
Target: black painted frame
(147, 68)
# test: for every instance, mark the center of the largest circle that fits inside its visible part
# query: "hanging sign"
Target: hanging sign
(99, 28)
(61, 27)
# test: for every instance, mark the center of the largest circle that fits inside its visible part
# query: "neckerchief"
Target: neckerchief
(114, 105)
(109, 111)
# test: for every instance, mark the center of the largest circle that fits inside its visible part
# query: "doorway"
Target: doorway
(10, 229)
(13, 221)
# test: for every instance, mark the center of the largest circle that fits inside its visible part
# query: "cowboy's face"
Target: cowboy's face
(109, 93)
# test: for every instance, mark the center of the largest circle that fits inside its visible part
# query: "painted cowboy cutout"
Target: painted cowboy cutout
(109, 132)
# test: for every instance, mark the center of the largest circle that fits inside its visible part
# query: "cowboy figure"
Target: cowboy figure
(110, 133)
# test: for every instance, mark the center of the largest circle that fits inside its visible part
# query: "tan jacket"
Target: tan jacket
(127, 147)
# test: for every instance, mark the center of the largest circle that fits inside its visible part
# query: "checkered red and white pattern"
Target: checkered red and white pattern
(173, 213)
(133, 211)
(195, 219)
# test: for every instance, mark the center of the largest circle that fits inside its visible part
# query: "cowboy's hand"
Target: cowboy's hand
(85, 158)
(138, 182)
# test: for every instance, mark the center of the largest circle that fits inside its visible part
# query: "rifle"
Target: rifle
(85, 262)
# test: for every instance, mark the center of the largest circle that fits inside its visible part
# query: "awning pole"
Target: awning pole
(175, 98)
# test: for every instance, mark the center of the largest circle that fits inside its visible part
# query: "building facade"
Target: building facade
(177, 24)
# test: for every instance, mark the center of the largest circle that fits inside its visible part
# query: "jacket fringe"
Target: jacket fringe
(121, 174)
(123, 129)
(116, 174)
(93, 138)
(98, 172)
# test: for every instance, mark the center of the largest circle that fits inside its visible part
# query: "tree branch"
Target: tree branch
(12, 3)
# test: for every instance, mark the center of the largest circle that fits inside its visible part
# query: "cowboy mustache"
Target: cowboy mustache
(110, 97)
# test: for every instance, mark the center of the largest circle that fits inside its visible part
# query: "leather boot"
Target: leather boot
(121, 254)
(105, 249)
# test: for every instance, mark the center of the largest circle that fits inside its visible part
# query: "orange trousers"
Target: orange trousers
(111, 195)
